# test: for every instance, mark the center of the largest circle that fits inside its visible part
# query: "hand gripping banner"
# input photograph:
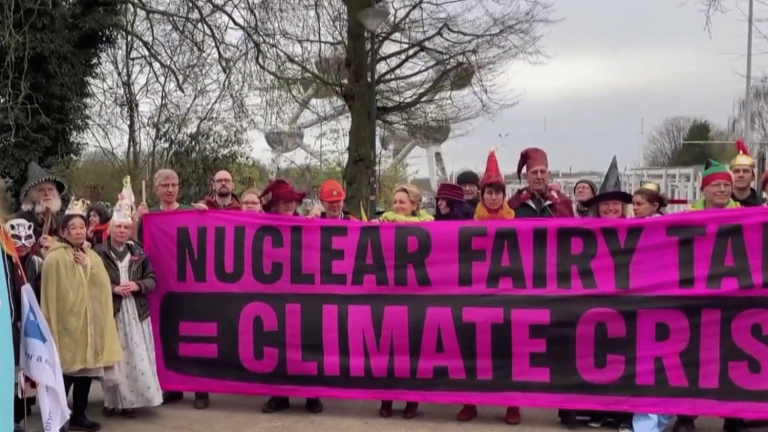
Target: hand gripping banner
(663, 315)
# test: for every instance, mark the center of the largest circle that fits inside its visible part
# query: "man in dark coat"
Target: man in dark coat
(743, 170)
(538, 199)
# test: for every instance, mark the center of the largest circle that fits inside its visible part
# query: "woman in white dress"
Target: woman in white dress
(131, 277)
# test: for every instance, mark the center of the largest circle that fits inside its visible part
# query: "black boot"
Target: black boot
(202, 401)
(83, 423)
(171, 397)
(314, 406)
(275, 404)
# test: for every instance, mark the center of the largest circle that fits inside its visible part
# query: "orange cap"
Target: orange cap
(331, 191)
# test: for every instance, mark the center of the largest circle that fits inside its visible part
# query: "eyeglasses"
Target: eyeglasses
(169, 186)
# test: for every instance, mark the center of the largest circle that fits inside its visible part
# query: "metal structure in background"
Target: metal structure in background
(748, 93)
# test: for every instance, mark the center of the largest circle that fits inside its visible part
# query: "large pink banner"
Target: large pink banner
(664, 315)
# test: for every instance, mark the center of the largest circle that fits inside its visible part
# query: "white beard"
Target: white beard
(41, 207)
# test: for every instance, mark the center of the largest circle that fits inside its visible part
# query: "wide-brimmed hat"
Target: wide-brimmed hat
(279, 190)
(36, 175)
(450, 191)
(610, 188)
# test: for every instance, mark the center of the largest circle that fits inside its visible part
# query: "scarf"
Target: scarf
(119, 253)
(701, 205)
(504, 213)
(420, 216)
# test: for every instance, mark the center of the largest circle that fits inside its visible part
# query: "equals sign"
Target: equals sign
(198, 330)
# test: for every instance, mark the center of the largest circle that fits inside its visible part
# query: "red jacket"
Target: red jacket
(210, 202)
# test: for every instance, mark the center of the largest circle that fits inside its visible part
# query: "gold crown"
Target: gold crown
(78, 207)
(651, 186)
(742, 159)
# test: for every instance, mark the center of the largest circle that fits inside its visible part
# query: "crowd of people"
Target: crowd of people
(91, 276)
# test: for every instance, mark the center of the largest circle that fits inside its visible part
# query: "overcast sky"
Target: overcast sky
(613, 63)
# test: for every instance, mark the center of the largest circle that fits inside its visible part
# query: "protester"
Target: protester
(77, 304)
(223, 196)
(166, 187)
(17, 241)
(98, 224)
(250, 201)
(331, 196)
(743, 170)
(470, 183)
(406, 208)
(451, 204)
(716, 188)
(538, 199)
(492, 206)
(280, 198)
(131, 278)
(610, 202)
(583, 190)
(493, 192)
(648, 201)
(41, 204)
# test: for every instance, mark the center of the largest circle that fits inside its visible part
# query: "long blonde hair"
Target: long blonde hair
(413, 192)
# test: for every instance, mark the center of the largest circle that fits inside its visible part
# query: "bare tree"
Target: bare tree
(158, 85)
(440, 64)
(666, 141)
(759, 114)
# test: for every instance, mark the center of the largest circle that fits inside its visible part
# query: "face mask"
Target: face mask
(21, 232)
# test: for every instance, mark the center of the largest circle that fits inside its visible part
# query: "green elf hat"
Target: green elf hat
(714, 171)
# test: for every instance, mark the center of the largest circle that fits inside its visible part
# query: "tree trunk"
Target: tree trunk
(357, 95)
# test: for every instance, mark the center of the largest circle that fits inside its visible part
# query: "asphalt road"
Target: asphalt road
(243, 414)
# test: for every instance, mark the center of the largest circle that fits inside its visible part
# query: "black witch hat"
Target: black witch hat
(610, 188)
(36, 175)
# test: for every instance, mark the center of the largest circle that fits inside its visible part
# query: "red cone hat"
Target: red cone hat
(492, 174)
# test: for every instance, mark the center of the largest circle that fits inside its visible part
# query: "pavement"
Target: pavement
(243, 414)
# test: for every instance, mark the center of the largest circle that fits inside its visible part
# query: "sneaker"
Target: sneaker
(625, 427)
(411, 410)
(595, 422)
(84, 424)
(386, 409)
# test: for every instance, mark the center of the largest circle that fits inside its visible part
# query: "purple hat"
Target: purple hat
(450, 191)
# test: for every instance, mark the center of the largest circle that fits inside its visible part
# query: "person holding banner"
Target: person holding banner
(406, 208)
(583, 190)
(131, 278)
(250, 201)
(648, 201)
(331, 195)
(470, 183)
(451, 204)
(77, 304)
(493, 193)
(610, 203)
(717, 189)
(539, 199)
(492, 206)
(280, 198)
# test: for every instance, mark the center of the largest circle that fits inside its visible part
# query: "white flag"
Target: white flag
(39, 361)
